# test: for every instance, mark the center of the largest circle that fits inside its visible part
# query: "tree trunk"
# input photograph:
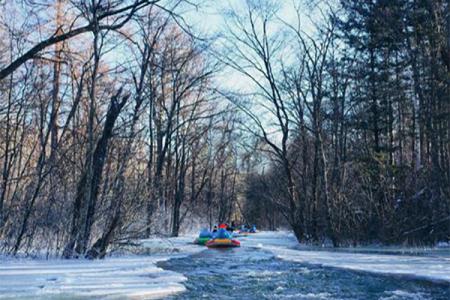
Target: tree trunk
(81, 225)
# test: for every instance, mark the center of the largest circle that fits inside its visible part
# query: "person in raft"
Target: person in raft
(205, 233)
(233, 225)
(222, 233)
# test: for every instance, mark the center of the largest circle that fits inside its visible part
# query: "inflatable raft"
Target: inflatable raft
(201, 240)
(204, 236)
(223, 243)
(222, 239)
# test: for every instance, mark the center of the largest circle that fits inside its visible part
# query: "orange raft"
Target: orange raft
(223, 243)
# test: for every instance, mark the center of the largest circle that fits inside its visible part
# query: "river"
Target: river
(254, 273)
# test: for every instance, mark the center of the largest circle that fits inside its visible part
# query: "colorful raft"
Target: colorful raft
(204, 236)
(201, 240)
(222, 239)
(247, 231)
(244, 233)
(223, 243)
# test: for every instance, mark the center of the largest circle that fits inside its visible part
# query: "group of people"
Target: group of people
(233, 227)
(223, 235)
(228, 227)
(247, 228)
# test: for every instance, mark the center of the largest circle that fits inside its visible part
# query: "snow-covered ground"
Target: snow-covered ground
(131, 277)
(433, 267)
(138, 277)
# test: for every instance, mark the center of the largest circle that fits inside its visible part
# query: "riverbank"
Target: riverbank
(137, 276)
(131, 276)
(428, 264)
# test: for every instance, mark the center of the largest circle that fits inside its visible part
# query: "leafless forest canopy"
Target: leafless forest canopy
(120, 121)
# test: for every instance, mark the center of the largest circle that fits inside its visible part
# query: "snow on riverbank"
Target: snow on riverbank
(433, 268)
(138, 277)
(131, 277)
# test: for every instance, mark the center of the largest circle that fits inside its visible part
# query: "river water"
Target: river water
(253, 273)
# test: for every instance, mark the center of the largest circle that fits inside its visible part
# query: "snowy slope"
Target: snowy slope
(434, 268)
(135, 277)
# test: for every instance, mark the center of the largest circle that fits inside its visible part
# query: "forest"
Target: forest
(121, 120)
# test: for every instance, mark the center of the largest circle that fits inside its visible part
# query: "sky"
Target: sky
(209, 20)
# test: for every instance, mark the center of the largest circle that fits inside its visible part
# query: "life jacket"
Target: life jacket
(205, 233)
(222, 234)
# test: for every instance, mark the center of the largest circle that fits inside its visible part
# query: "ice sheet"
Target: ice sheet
(131, 277)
